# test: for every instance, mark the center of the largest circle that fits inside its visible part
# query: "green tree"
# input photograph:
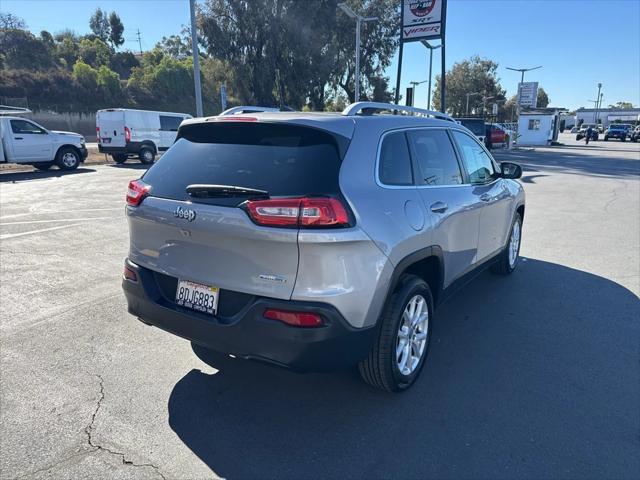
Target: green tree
(85, 75)
(622, 105)
(94, 52)
(109, 83)
(21, 49)
(67, 50)
(99, 24)
(475, 75)
(543, 98)
(175, 46)
(116, 28)
(122, 63)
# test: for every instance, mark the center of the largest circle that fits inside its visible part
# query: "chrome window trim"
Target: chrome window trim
(414, 186)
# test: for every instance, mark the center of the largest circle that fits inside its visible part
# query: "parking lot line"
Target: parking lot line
(22, 234)
(46, 212)
(26, 222)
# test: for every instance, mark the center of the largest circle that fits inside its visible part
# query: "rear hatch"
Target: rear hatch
(110, 128)
(209, 236)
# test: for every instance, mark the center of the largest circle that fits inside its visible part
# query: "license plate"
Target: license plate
(106, 140)
(196, 296)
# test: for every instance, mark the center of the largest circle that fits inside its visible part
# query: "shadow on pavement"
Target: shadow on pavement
(129, 166)
(529, 376)
(39, 175)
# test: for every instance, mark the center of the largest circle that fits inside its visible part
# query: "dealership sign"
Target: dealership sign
(422, 19)
(528, 94)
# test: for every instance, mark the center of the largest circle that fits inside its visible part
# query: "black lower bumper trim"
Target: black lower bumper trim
(249, 335)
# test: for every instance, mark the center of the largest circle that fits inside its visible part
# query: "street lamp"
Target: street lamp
(470, 95)
(431, 49)
(484, 104)
(522, 70)
(359, 19)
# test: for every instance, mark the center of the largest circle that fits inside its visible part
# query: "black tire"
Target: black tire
(68, 158)
(624, 139)
(147, 155)
(119, 158)
(380, 368)
(43, 165)
(503, 266)
(606, 139)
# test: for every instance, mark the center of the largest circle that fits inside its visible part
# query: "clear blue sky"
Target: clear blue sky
(578, 42)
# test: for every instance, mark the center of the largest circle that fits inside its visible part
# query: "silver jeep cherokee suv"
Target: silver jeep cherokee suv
(315, 240)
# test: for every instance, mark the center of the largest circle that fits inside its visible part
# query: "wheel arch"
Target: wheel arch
(68, 145)
(428, 264)
(149, 143)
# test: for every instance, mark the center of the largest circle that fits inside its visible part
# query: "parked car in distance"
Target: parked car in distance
(26, 142)
(495, 136)
(476, 125)
(635, 134)
(582, 132)
(574, 129)
(123, 133)
(264, 235)
(617, 130)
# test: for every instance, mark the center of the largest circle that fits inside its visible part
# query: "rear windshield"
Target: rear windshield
(620, 126)
(476, 126)
(284, 160)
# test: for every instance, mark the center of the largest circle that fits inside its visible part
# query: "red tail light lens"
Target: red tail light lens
(98, 134)
(130, 274)
(136, 192)
(295, 319)
(127, 134)
(303, 212)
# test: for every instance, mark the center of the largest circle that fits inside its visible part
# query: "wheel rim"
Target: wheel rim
(148, 156)
(514, 244)
(412, 335)
(69, 159)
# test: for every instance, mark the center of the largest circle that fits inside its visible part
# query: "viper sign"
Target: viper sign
(422, 19)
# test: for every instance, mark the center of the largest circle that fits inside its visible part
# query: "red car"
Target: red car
(495, 135)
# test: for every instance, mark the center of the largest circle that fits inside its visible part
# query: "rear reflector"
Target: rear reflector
(130, 274)
(136, 192)
(127, 134)
(295, 319)
(98, 134)
(302, 212)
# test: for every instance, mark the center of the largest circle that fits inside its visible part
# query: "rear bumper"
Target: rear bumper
(131, 148)
(247, 334)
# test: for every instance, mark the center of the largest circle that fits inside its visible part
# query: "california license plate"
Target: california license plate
(106, 140)
(196, 296)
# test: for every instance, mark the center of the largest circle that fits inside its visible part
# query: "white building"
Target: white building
(539, 126)
(605, 116)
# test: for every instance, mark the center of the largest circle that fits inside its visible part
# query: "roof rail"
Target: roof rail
(356, 108)
(247, 109)
(7, 110)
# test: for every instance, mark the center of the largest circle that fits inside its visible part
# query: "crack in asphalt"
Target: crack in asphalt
(97, 447)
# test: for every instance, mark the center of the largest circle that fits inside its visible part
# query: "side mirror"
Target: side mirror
(510, 170)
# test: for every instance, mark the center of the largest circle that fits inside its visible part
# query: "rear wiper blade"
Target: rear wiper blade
(206, 190)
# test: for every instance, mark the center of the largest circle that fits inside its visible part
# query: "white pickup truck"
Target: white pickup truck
(24, 141)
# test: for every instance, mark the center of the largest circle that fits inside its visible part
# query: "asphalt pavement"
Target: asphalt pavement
(530, 376)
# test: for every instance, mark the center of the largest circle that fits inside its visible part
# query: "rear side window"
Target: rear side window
(435, 156)
(169, 123)
(395, 163)
(284, 160)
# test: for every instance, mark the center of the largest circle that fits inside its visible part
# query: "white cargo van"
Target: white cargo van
(123, 133)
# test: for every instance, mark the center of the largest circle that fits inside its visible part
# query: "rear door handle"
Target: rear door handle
(17, 138)
(485, 197)
(439, 207)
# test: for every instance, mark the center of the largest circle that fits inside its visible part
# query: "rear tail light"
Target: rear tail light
(98, 134)
(299, 212)
(136, 192)
(127, 134)
(295, 319)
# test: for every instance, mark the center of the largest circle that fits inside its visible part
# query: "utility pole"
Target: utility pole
(139, 41)
(431, 49)
(359, 19)
(196, 58)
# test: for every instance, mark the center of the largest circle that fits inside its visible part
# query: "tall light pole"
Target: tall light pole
(470, 95)
(359, 19)
(484, 105)
(196, 59)
(431, 49)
